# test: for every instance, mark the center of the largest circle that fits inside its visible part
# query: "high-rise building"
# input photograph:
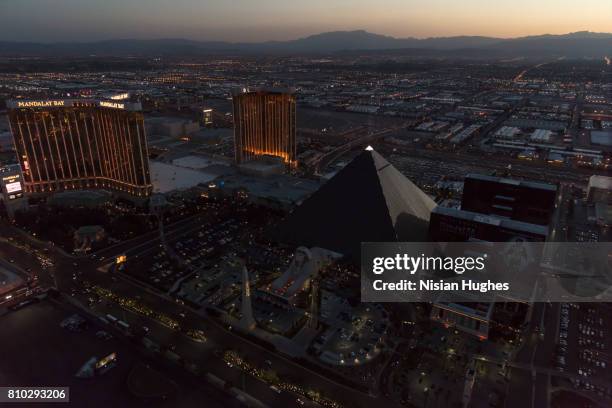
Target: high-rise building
(264, 124)
(81, 144)
(526, 201)
(599, 190)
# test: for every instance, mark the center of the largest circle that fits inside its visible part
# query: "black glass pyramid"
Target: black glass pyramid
(367, 201)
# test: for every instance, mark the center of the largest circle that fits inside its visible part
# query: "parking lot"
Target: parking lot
(192, 257)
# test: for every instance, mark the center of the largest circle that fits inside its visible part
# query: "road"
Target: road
(522, 73)
(70, 280)
(529, 381)
(328, 158)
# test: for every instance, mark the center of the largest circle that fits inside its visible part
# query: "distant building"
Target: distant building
(493, 209)
(465, 134)
(207, 116)
(554, 125)
(599, 201)
(525, 201)
(600, 190)
(541, 135)
(453, 225)
(12, 189)
(264, 124)
(471, 316)
(76, 144)
(600, 214)
(363, 108)
(601, 137)
(507, 132)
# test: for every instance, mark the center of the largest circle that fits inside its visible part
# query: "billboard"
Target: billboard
(14, 187)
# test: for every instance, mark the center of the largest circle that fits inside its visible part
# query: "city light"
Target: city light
(331, 219)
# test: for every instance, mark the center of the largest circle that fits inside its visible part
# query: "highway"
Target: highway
(523, 72)
(330, 157)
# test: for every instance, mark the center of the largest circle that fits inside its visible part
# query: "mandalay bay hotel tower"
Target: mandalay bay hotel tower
(81, 144)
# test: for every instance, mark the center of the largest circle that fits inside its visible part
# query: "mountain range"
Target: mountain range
(578, 44)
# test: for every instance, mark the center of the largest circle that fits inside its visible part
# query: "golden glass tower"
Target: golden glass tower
(81, 144)
(264, 124)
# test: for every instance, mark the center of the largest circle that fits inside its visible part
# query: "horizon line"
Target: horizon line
(305, 37)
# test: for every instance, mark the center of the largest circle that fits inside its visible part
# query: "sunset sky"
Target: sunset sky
(258, 20)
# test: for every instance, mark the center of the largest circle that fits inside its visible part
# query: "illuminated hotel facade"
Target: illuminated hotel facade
(81, 144)
(264, 124)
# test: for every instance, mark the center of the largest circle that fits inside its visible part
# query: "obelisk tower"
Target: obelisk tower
(313, 319)
(247, 321)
